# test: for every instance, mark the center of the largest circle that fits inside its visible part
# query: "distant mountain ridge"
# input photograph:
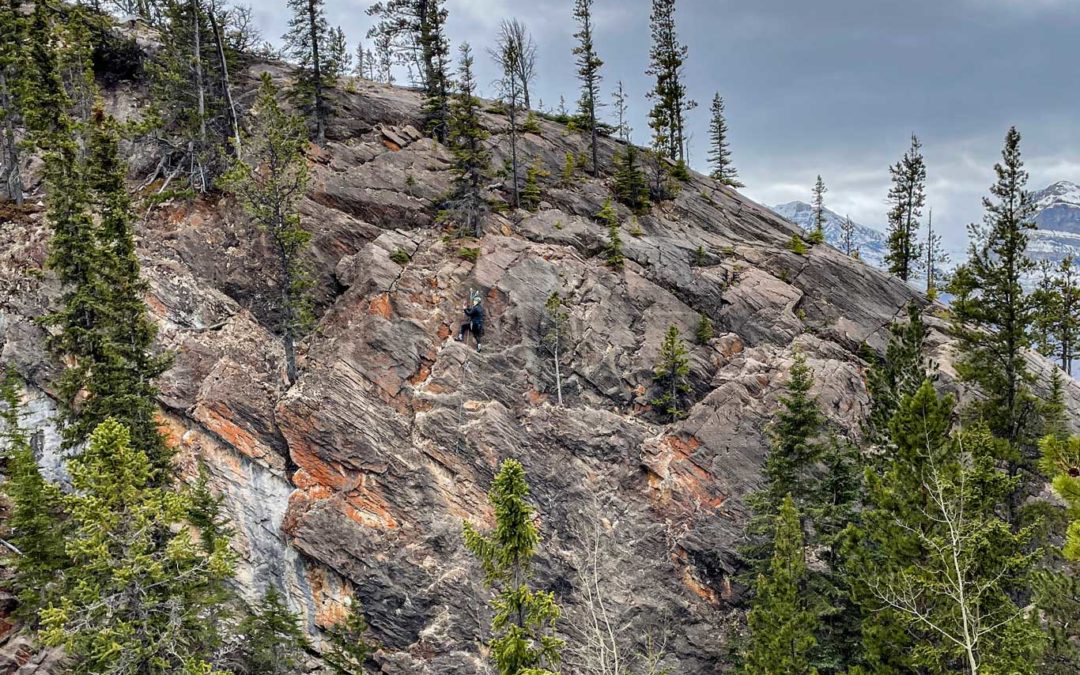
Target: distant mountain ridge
(1058, 220)
(869, 241)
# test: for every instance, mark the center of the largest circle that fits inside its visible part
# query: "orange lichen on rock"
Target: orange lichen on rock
(380, 306)
(239, 438)
(674, 475)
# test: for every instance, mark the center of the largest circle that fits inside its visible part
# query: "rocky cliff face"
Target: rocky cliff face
(356, 480)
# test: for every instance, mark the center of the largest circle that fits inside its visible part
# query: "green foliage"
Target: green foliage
(136, 595)
(269, 183)
(796, 245)
(898, 375)
(937, 566)
(523, 624)
(631, 185)
(271, 639)
(613, 251)
(566, 178)
(781, 621)
(554, 334)
(468, 253)
(670, 375)
(907, 196)
(349, 645)
(530, 194)
(35, 520)
(1061, 461)
(307, 43)
(700, 257)
(1057, 596)
(719, 149)
(817, 204)
(680, 171)
(667, 119)
(588, 65)
(400, 256)
(531, 125)
(471, 157)
(705, 331)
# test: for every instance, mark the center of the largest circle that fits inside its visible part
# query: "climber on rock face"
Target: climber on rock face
(474, 320)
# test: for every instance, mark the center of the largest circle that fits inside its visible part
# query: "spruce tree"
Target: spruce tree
(899, 374)
(507, 55)
(670, 375)
(719, 150)
(705, 332)
(631, 185)
(530, 195)
(307, 44)
(136, 595)
(349, 645)
(338, 57)
(269, 183)
(555, 333)
(622, 114)
(523, 625)
(782, 623)
(670, 102)
(613, 253)
(993, 316)
(467, 142)
(936, 258)
(938, 568)
(847, 238)
(907, 196)
(817, 205)
(271, 639)
(35, 520)
(588, 64)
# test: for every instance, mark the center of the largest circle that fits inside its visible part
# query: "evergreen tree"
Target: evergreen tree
(719, 150)
(705, 332)
(631, 185)
(530, 195)
(622, 114)
(1057, 595)
(35, 519)
(338, 57)
(847, 238)
(907, 196)
(899, 375)
(507, 55)
(993, 313)
(136, 596)
(1045, 303)
(613, 251)
(271, 639)
(269, 183)
(524, 641)
(936, 258)
(555, 334)
(1061, 461)
(566, 177)
(589, 65)
(349, 644)
(307, 44)
(11, 25)
(782, 624)
(938, 568)
(817, 204)
(670, 375)
(670, 103)
(467, 141)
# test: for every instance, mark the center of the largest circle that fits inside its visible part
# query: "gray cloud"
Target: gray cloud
(834, 87)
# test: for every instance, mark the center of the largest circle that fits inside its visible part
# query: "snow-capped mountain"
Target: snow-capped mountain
(1058, 218)
(870, 242)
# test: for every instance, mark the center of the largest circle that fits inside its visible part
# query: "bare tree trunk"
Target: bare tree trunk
(558, 366)
(11, 148)
(196, 10)
(513, 137)
(320, 123)
(225, 85)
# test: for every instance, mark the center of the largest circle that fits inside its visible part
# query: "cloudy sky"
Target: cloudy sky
(834, 87)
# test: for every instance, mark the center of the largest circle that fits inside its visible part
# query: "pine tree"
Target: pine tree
(554, 336)
(613, 251)
(588, 64)
(35, 520)
(1046, 307)
(508, 56)
(898, 375)
(338, 57)
(136, 595)
(994, 315)
(1061, 461)
(631, 185)
(670, 103)
(936, 258)
(719, 150)
(269, 183)
(907, 196)
(781, 622)
(847, 238)
(938, 568)
(670, 375)
(349, 644)
(622, 114)
(471, 156)
(272, 641)
(363, 63)
(524, 639)
(307, 42)
(817, 204)
(530, 195)
(705, 332)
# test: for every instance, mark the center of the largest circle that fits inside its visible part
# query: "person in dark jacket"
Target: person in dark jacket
(474, 321)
